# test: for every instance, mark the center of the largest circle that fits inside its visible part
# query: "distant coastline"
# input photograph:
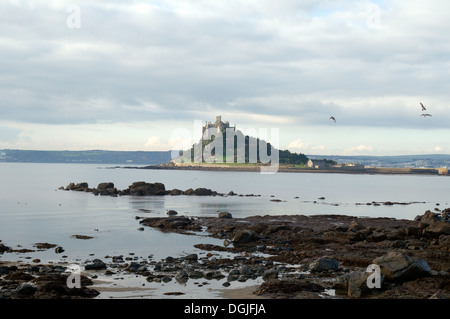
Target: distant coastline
(292, 169)
(432, 164)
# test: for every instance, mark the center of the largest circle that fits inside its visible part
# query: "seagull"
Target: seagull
(332, 118)
(423, 107)
(425, 115)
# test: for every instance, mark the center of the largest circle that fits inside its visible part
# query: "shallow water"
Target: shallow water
(34, 210)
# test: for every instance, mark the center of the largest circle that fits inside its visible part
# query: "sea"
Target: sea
(33, 209)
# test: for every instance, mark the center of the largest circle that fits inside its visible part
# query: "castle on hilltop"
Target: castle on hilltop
(221, 126)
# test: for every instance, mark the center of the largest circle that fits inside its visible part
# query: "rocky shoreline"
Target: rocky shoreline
(143, 189)
(292, 256)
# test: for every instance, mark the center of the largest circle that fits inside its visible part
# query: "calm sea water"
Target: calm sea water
(34, 210)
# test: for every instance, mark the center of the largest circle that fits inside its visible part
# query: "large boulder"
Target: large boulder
(146, 189)
(173, 223)
(96, 264)
(438, 228)
(80, 187)
(324, 264)
(203, 191)
(105, 185)
(428, 218)
(3, 248)
(175, 192)
(189, 192)
(105, 189)
(397, 266)
(354, 284)
(225, 215)
(245, 236)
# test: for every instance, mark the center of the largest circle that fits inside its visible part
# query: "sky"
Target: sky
(137, 75)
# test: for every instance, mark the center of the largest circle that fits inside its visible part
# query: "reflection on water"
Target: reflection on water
(33, 209)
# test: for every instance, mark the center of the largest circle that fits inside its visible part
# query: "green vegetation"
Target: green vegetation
(285, 156)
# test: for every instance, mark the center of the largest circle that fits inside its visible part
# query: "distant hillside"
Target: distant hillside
(94, 157)
(427, 161)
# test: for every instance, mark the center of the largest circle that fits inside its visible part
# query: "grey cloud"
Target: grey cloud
(122, 66)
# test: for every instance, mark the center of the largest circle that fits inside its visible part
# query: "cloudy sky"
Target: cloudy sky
(128, 75)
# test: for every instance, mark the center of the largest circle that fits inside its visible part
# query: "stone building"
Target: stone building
(318, 163)
(221, 126)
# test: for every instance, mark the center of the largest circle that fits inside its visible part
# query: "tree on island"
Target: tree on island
(245, 149)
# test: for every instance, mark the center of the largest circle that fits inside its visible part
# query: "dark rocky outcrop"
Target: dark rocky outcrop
(434, 224)
(324, 264)
(172, 223)
(97, 264)
(245, 236)
(138, 189)
(398, 266)
(3, 248)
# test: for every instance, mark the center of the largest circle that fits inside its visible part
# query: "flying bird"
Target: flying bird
(425, 115)
(423, 107)
(332, 118)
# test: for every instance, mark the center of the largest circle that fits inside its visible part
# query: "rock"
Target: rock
(438, 228)
(357, 284)
(118, 259)
(324, 264)
(203, 192)
(84, 237)
(80, 187)
(270, 274)
(44, 245)
(172, 212)
(97, 264)
(195, 274)
(26, 289)
(245, 236)
(166, 279)
(397, 266)
(176, 192)
(133, 267)
(355, 226)
(189, 192)
(377, 237)
(105, 185)
(3, 248)
(182, 276)
(428, 218)
(146, 189)
(291, 286)
(413, 231)
(171, 223)
(4, 270)
(231, 193)
(191, 257)
(246, 270)
(445, 213)
(225, 215)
